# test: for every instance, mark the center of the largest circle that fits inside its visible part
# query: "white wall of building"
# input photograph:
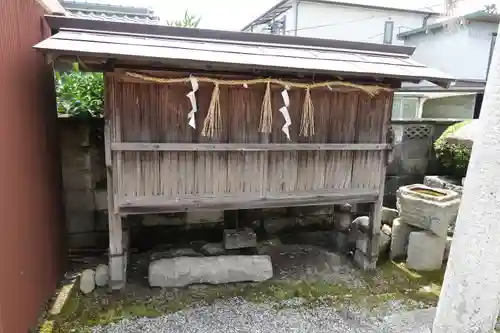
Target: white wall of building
(352, 23)
(461, 51)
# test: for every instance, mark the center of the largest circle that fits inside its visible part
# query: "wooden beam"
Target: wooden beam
(162, 204)
(140, 146)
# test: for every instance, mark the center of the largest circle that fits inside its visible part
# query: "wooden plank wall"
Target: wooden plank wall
(149, 112)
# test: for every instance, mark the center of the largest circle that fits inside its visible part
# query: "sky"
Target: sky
(235, 14)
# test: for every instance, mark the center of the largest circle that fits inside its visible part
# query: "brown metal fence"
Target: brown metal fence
(30, 205)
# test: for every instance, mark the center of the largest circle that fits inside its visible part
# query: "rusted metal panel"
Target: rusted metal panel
(30, 246)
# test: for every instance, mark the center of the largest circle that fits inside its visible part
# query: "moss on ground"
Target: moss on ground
(391, 282)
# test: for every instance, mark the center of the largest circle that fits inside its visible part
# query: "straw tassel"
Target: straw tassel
(266, 112)
(213, 122)
(307, 122)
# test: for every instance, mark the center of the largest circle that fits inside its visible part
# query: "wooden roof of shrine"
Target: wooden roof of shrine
(173, 47)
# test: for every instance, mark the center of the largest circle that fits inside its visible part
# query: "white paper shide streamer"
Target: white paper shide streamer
(286, 115)
(192, 98)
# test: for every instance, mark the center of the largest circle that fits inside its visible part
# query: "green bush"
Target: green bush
(80, 93)
(454, 158)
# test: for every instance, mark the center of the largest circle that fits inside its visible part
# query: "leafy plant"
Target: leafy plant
(189, 21)
(454, 158)
(80, 93)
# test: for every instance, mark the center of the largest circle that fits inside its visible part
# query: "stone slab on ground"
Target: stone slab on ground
(425, 251)
(400, 234)
(101, 275)
(87, 282)
(183, 271)
(239, 239)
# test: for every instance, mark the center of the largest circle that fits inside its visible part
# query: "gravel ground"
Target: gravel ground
(238, 315)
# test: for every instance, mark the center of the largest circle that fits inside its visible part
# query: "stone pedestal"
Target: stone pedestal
(425, 251)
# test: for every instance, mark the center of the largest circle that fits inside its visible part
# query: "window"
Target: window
(405, 107)
(388, 32)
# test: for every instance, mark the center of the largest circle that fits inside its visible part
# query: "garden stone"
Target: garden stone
(213, 249)
(362, 223)
(101, 275)
(183, 271)
(239, 239)
(388, 215)
(425, 251)
(363, 243)
(87, 282)
(400, 235)
(363, 262)
(428, 208)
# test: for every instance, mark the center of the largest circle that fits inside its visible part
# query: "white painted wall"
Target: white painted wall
(352, 23)
(460, 51)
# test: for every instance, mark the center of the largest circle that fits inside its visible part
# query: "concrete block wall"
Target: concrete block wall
(413, 156)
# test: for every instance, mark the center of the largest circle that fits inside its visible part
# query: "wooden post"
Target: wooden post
(117, 258)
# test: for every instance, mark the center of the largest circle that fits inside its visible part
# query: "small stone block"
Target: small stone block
(363, 262)
(239, 239)
(101, 275)
(87, 282)
(425, 251)
(362, 223)
(117, 272)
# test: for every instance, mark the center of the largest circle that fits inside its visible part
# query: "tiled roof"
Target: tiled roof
(95, 15)
(109, 12)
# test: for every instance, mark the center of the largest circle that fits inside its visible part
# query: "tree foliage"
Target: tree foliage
(82, 93)
(454, 158)
(189, 21)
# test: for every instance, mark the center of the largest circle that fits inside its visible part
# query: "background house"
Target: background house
(339, 20)
(441, 43)
(99, 10)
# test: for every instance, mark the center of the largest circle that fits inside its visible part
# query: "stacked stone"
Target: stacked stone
(421, 231)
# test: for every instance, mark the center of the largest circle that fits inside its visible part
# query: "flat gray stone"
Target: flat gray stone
(213, 249)
(425, 251)
(362, 223)
(362, 261)
(400, 235)
(183, 271)
(87, 282)
(239, 239)
(101, 275)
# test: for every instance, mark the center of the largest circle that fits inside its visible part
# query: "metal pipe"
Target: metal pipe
(296, 17)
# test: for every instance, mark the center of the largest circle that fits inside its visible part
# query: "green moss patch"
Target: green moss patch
(391, 282)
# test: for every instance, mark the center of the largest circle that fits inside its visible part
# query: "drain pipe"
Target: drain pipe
(296, 16)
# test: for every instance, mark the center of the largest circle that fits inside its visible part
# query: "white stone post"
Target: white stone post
(470, 298)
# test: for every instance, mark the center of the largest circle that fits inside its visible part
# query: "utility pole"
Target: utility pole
(470, 297)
